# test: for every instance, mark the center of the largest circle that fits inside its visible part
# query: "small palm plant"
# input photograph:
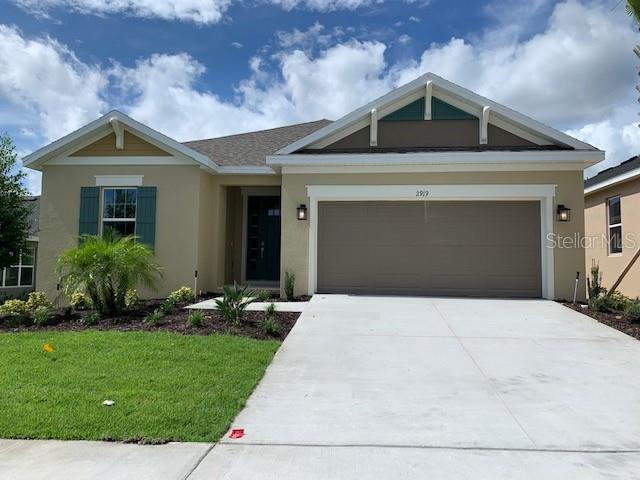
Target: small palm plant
(234, 302)
(106, 268)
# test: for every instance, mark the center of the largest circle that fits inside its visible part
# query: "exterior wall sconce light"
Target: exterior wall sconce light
(302, 212)
(563, 214)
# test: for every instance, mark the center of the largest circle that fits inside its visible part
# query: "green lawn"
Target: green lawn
(165, 386)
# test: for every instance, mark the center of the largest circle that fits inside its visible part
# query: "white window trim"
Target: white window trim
(613, 225)
(113, 220)
(114, 181)
(20, 266)
(542, 193)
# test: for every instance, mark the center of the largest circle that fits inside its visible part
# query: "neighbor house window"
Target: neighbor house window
(119, 210)
(20, 275)
(614, 214)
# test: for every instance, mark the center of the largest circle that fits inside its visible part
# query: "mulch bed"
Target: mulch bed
(617, 320)
(175, 322)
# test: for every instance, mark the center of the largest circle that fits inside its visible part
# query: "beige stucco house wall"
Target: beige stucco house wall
(177, 226)
(596, 229)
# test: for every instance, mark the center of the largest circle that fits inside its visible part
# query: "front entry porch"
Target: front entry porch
(252, 244)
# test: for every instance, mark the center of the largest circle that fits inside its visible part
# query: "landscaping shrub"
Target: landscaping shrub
(633, 311)
(41, 315)
(263, 296)
(594, 281)
(289, 285)
(15, 308)
(234, 302)
(270, 310)
(196, 318)
(80, 301)
(38, 299)
(617, 301)
(153, 318)
(105, 268)
(169, 306)
(270, 326)
(183, 296)
(91, 318)
(131, 298)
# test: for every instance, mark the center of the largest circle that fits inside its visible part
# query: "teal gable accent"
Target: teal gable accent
(443, 111)
(146, 215)
(89, 211)
(439, 111)
(413, 111)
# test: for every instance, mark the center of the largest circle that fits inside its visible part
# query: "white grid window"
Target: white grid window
(614, 217)
(119, 210)
(20, 275)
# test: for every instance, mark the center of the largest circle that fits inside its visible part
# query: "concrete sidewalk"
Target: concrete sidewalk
(71, 460)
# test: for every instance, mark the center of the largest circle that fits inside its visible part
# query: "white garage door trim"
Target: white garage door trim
(542, 193)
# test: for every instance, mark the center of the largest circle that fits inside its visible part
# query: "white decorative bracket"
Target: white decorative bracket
(484, 124)
(427, 99)
(373, 139)
(119, 131)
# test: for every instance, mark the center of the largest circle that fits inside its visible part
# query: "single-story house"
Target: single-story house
(430, 189)
(18, 280)
(612, 224)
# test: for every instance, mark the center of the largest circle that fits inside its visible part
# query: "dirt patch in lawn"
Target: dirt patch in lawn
(617, 320)
(177, 322)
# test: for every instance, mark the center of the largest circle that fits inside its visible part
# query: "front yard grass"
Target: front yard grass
(166, 386)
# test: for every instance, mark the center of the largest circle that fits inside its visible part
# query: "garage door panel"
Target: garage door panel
(430, 248)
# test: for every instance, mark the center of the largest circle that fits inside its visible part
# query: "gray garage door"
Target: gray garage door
(486, 249)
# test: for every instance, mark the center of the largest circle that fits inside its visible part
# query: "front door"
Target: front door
(263, 238)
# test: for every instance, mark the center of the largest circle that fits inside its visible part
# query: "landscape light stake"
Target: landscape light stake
(575, 288)
(195, 284)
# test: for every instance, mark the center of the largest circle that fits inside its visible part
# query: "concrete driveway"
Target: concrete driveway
(381, 387)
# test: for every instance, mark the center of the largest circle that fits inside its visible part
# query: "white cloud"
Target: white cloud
(577, 74)
(197, 11)
(404, 39)
(322, 5)
(46, 79)
(236, 45)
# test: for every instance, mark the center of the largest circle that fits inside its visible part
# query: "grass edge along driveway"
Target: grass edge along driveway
(166, 387)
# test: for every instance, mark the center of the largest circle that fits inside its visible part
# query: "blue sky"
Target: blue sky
(202, 68)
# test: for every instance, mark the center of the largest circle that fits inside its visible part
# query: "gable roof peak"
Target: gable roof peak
(442, 88)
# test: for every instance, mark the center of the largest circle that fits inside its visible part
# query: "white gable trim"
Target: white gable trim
(104, 126)
(457, 96)
(581, 159)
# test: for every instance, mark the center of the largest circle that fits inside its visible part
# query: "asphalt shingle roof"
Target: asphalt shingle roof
(250, 149)
(609, 173)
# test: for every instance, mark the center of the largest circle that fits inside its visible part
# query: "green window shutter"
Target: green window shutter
(89, 210)
(146, 215)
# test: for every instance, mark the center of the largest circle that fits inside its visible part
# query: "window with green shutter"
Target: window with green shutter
(146, 215)
(89, 210)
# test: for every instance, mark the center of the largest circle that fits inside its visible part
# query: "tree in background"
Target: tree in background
(633, 9)
(14, 212)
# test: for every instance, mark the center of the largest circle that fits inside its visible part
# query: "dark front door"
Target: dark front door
(263, 238)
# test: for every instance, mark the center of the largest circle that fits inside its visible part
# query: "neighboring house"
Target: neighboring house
(612, 224)
(18, 280)
(428, 190)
